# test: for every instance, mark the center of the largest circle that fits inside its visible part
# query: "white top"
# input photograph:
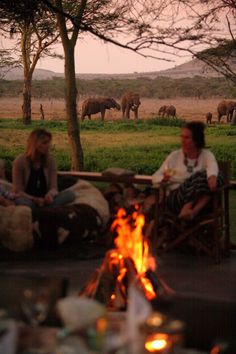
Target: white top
(175, 164)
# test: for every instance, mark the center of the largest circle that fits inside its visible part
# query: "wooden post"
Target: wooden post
(41, 111)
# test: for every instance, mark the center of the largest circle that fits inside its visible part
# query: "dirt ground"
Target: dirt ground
(54, 109)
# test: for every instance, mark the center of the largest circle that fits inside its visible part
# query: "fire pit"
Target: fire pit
(130, 262)
(127, 275)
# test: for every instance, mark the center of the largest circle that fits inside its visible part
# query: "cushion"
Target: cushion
(116, 171)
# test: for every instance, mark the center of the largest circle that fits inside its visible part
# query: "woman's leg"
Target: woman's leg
(25, 201)
(192, 195)
(190, 210)
(63, 198)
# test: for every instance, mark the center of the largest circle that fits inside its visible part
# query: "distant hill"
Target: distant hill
(191, 68)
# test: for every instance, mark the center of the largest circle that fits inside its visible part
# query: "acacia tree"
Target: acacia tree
(35, 30)
(204, 28)
(216, 24)
(120, 22)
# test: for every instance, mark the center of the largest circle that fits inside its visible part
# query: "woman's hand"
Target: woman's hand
(38, 201)
(48, 199)
(212, 183)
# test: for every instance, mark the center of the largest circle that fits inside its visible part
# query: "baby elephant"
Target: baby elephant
(208, 118)
(167, 111)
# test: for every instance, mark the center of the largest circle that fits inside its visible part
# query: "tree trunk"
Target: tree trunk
(77, 162)
(25, 51)
(26, 106)
(77, 158)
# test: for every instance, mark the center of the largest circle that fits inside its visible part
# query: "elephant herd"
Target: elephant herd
(129, 102)
(225, 108)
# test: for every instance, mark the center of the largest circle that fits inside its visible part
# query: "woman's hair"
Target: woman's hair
(197, 129)
(34, 138)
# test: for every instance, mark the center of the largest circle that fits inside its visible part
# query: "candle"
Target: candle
(157, 343)
(162, 334)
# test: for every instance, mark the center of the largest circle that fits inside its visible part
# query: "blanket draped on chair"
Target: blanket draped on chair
(86, 217)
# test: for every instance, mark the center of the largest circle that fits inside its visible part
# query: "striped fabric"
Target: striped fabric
(190, 190)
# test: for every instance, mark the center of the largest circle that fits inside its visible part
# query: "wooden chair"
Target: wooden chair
(208, 233)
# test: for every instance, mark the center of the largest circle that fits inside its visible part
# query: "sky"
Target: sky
(93, 56)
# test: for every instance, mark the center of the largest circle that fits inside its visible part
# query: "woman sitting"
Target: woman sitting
(34, 174)
(192, 173)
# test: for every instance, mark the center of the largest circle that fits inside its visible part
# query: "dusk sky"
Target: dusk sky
(96, 57)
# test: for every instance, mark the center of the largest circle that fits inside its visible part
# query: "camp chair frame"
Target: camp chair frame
(208, 233)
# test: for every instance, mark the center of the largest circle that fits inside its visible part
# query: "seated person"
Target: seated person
(192, 171)
(6, 196)
(34, 174)
(85, 219)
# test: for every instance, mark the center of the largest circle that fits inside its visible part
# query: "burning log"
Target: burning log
(103, 282)
(109, 284)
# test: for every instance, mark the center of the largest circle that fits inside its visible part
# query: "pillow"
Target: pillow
(16, 227)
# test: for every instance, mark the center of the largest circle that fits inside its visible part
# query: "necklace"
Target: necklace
(190, 167)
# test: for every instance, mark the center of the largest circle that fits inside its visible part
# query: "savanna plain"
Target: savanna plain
(54, 109)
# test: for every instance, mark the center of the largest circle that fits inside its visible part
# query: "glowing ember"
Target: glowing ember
(130, 243)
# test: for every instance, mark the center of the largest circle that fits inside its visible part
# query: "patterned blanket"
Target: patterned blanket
(85, 218)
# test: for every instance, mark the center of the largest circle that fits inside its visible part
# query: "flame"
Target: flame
(130, 243)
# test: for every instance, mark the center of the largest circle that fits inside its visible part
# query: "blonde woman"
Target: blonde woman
(34, 174)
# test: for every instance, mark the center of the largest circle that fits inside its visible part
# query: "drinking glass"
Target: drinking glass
(35, 305)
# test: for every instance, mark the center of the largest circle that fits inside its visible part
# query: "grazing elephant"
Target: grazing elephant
(167, 111)
(208, 118)
(130, 101)
(162, 111)
(226, 108)
(95, 105)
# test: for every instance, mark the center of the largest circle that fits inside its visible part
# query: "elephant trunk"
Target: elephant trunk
(117, 107)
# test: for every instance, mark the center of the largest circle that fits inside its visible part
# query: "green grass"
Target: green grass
(138, 145)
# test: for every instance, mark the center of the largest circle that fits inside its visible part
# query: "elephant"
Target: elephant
(130, 101)
(208, 118)
(226, 107)
(167, 111)
(233, 120)
(95, 105)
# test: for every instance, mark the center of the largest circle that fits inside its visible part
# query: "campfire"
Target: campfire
(130, 262)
